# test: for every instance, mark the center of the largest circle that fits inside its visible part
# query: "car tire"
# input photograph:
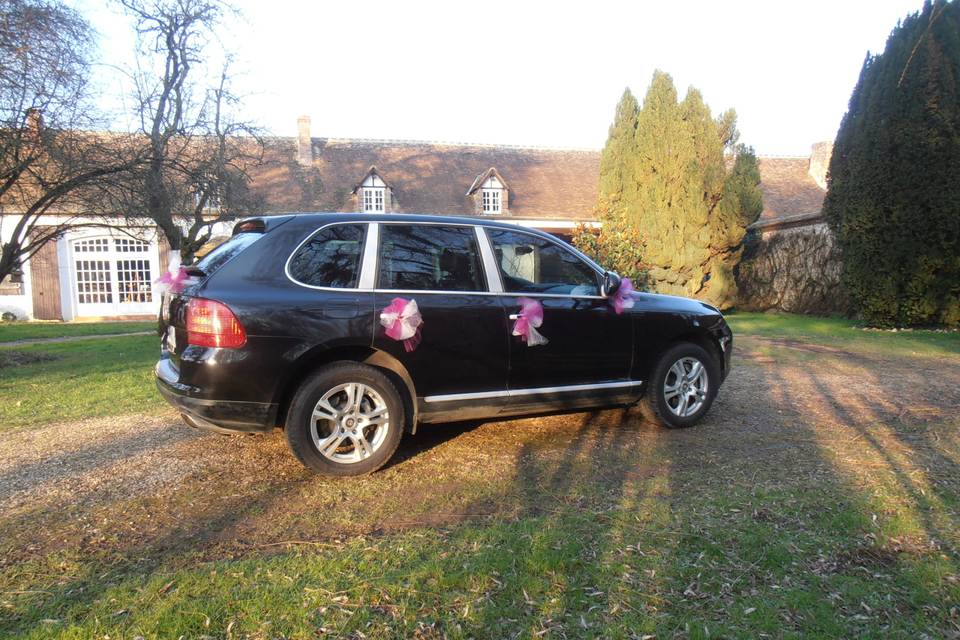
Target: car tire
(339, 408)
(663, 402)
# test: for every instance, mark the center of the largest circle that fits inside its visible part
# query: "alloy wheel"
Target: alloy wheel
(685, 386)
(349, 423)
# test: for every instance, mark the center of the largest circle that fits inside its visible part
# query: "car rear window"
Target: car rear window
(331, 258)
(219, 256)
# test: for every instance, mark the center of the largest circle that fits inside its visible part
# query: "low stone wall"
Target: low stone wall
(795, 270)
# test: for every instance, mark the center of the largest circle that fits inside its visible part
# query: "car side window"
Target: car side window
(331, 258)
(530, 264)
(427, 257)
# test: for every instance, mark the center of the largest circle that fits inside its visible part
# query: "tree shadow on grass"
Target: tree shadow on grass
(903, 452)
(91, 572)
(598, 524)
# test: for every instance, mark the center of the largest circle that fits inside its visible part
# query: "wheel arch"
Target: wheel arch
(316, 358)
(702, 339)
(689, 333)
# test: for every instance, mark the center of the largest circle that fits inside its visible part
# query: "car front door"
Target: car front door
(458, 360)
(589, 346)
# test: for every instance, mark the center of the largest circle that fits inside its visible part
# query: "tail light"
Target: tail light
(212, 324)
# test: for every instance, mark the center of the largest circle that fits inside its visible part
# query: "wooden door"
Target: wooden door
(45, 283)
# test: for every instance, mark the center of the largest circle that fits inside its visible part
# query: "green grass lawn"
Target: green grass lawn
(845, 333)
(74, 380)
(578, 574)
(11, 331)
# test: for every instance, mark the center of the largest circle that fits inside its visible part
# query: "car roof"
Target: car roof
(324, 217)
(331, 216)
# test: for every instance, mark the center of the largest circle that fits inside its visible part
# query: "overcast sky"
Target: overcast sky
(532, 73)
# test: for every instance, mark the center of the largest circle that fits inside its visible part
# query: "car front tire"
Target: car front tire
(346, 419)
(683, 385)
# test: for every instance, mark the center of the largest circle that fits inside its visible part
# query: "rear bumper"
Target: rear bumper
(218, 415)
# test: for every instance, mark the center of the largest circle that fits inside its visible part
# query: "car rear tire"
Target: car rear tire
(682, 388)
(346, 419)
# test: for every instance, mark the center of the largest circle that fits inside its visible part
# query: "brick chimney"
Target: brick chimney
(820, 162)
(304, 143)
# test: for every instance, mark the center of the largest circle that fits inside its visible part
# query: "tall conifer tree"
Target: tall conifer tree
(685, 187)
(893, 196)
(620, 146)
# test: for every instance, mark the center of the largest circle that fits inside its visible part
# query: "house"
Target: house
(549, 189)
(791, 261)
(793, 191)
(109, 272)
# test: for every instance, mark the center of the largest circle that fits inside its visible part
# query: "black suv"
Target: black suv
(350, 329)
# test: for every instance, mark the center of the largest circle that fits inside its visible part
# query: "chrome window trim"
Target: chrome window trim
(371, 254)
(286, 266)
(487, 293)
(494, 283)
(511, 393)
(371, 251)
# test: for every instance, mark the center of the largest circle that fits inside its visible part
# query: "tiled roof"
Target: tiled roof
(430, 177)
(435, 177)
(788, 189)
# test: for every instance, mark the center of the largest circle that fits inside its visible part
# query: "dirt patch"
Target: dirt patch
(800, 345)
(11, 358)
(873, 557)
(147, 486)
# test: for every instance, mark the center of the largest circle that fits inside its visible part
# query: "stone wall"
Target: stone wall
(795, 270)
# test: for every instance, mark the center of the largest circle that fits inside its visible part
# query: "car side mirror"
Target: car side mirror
(611, 284)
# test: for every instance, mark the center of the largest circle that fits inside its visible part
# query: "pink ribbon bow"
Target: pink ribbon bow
(175, 277)
(529, 318)
(403, 321)
(623, 298)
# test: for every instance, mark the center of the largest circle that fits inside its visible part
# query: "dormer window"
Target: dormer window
(491, 196)
(208, 201)
(374, 195)
(490, 193)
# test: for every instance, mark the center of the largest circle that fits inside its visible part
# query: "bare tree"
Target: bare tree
(198, 154)
(48, 157)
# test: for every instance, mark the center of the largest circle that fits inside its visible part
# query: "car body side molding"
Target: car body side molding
(511, 393)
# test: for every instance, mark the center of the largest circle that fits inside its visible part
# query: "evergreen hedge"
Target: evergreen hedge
(893, 196)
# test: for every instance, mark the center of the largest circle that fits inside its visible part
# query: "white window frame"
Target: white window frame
(373, 195)
(125, 260)
(212, 204)
(491, 197)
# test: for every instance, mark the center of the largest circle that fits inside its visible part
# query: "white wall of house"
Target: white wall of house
(104, 272)
(19, 305)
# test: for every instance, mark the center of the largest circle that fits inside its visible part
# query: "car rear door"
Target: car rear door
(458, 364)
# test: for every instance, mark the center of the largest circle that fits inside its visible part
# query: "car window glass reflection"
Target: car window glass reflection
(429, 258)
(529, 264)
(331, 258)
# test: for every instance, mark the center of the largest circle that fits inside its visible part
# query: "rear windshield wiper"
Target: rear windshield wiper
(195, 271)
